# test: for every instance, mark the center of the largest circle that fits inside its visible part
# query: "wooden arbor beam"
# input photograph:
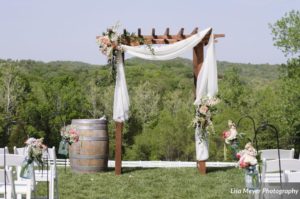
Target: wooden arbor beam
(166, 38)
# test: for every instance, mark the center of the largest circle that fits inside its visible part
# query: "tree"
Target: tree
(14, 90)
(286, 33)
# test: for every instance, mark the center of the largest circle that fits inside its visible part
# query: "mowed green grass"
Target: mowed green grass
(166, 183)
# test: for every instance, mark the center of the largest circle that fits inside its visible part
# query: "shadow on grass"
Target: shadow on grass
(134, 169)
(217, 169)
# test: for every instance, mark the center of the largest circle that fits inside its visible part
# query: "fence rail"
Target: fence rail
(155, 164)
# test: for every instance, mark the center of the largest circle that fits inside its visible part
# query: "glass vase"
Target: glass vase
(26, 169)
(251, 178)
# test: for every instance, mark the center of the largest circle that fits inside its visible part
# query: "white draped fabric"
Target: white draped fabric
(206, 81)
(121, 98)
(166, 52)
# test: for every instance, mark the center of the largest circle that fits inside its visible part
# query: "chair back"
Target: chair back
(9, 181)
(12, 160)
(286, 165)
(4, 149)
(271, 154)
(20, 151)
(52, 155)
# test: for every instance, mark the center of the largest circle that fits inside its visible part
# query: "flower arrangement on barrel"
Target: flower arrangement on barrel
(34, 153)
(69, 136)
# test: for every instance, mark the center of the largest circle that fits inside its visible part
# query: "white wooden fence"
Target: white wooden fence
(156, 164)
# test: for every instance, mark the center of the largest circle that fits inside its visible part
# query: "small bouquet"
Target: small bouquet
(248, 161)
(110, 43)
(34, 149)
(69, 136)
(230, 137)
(247, 157)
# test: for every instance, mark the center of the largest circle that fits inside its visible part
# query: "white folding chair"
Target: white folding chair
(4, 149)
(22, 186)
(41, 175)
(271, 171)
(20, 151)
(50, 172)
(292, 174)
(7, 186)
(272, 154)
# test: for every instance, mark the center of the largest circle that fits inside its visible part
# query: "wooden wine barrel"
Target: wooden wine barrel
(90, 153)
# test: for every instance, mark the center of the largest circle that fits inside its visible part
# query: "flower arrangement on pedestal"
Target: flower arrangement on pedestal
(34, 149)
(69, 136)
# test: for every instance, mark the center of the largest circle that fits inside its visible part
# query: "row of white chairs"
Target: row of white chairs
(20, 186)
(271, 172)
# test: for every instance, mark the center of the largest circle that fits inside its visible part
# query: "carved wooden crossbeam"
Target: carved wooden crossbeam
(166, 38)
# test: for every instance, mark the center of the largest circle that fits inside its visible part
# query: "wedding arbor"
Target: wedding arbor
(170, 46)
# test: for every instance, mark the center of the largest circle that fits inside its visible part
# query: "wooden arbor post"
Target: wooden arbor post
(198, 58)
(118, 148)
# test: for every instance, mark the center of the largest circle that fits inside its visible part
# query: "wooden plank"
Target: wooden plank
(202, 167)
(198, 57)
(118, 148)
(169, 39)
(180, 33)
(195, 31)
(167, 32)
(153, 33)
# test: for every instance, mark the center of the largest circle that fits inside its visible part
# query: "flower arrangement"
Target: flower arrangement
(247, 157)
(231, 134)
(230, 137)
(248, 162)
(70, 134)
(34, 149)
(203, 117)
(110, 44)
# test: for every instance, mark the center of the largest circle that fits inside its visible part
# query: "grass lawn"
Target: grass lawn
(181, 183)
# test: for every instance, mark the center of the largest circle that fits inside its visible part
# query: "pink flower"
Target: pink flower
(72, 131)
(226, 134)
(105, 40)
(244, 164)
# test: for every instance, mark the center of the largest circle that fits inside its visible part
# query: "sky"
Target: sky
(52, 30)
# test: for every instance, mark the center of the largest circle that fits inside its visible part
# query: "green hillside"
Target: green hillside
(45, 96)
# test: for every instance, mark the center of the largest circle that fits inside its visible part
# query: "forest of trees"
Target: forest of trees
(37, 99)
